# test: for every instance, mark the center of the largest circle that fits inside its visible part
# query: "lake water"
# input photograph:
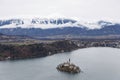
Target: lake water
(95, 63)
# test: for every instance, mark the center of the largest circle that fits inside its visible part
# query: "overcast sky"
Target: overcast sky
(81, 9)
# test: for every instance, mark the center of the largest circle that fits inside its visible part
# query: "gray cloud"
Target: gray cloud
(82, 9)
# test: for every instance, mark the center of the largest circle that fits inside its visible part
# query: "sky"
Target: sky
(77, 9)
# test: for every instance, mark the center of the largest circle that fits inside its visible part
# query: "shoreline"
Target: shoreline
(17, 52)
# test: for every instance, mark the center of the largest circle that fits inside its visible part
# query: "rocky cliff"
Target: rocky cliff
(12, 52)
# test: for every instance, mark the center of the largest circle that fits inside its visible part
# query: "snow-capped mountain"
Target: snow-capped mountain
(37, 23)
(51, 23)
(60, 27)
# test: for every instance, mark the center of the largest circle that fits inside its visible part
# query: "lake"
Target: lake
(95, 63)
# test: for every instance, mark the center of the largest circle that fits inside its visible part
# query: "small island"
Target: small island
(68, 67)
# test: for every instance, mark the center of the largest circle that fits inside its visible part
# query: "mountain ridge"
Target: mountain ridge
(59, 28)
(45, 23)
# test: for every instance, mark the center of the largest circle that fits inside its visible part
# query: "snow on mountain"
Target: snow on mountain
(59, 27)
(45, 23)
(36, 23)
(97, 24)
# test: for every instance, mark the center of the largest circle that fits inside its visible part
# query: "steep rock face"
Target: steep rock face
(52, 21)
(35, 50)
(11, 21)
